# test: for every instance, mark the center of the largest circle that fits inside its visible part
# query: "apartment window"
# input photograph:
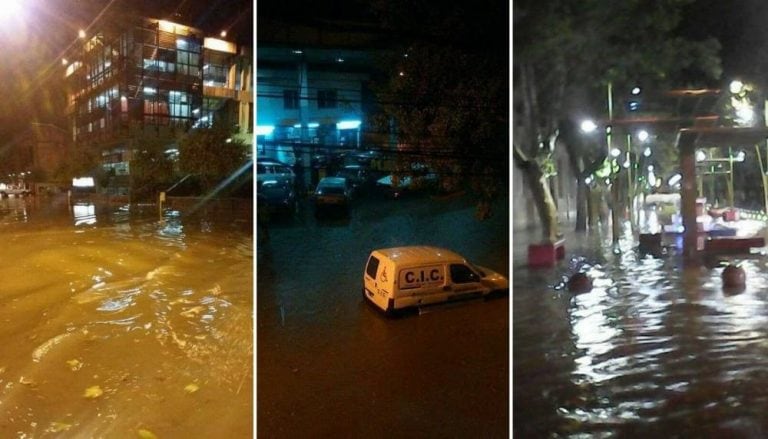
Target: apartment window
(291, 99)
(326, 99)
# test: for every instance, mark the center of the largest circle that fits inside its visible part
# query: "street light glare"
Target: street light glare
(10, 9)
(588, 126)
(736, 86)
(636, 91)
(642, 135)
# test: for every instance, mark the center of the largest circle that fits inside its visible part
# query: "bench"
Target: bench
(546, 254)
(733, 245)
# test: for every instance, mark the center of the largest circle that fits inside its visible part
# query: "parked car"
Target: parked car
(361, 157)
(333, 192)
(405, 277)
(397, 184)
(359, 176)
(275, 184)
(14, 190)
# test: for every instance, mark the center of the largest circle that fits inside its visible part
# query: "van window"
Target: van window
(373, 267)
(461, 274)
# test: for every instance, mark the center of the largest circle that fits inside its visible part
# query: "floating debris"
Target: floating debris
(93, 392)
(192, 388)
(75, 364)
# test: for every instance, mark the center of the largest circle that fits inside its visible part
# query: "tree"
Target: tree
(81, 162)
(211, 154)
(569, 48)
(447, 93)
(151, 170)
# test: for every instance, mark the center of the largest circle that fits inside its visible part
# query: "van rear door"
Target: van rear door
(374, 280)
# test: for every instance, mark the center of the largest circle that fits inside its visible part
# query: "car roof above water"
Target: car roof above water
(420, 254)
(332, 181)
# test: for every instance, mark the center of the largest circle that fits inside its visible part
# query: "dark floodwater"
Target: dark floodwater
(656, 349)
(116, 323)
(329, 365)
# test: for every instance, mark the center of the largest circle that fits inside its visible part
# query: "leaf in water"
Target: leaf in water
(93, 392)
(44, 348)
(57, 427)
(192, 312)
(192, 388)
(74, 364)
(146, 434)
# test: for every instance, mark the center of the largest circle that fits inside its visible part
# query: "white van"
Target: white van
(403, 277)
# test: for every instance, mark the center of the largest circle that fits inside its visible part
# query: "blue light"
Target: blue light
(313, 125)
(264, 130)
(348, 125)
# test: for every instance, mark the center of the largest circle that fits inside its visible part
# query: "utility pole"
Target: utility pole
(615, 199)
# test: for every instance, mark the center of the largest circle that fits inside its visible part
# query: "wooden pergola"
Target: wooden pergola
(688, 141)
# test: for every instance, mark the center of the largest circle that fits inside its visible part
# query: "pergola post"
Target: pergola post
(687, 145)
(706, 137)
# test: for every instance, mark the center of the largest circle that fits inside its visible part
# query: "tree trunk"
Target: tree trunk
(582, 195)
(545, 203)
(593, 208)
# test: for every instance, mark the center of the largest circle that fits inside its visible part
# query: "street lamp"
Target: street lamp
(588, 126)
(736, 87)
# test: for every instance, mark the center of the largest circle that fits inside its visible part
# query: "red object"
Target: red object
(546, 254)
(731, 215)
(733, 276)
(579, 283)
(733, 244)
(650, 242)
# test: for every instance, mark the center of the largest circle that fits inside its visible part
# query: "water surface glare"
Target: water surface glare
(656, 348)
(117, 324)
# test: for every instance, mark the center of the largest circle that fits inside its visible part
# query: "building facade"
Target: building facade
(132, 77)
(309, 99)
(35, 154)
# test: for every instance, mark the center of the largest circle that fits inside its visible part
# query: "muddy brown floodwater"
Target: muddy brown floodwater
(116, 324)
(330, 365)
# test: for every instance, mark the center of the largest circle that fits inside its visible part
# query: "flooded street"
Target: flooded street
(656, 349)
(331, 365)
(117, 324)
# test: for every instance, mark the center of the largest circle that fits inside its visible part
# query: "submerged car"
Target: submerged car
(333, 192)
(275, 183)
(358, 175)
(406, 277)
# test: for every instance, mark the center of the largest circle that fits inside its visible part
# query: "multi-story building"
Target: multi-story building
(132, 77)
(309, 98)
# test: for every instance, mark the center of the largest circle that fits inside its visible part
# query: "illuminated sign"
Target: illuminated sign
(83, 182)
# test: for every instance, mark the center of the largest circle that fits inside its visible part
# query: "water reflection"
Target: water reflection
(656, 347)
(84, 214)
(114, 320)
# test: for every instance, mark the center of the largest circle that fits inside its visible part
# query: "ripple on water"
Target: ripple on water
(652, 344)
